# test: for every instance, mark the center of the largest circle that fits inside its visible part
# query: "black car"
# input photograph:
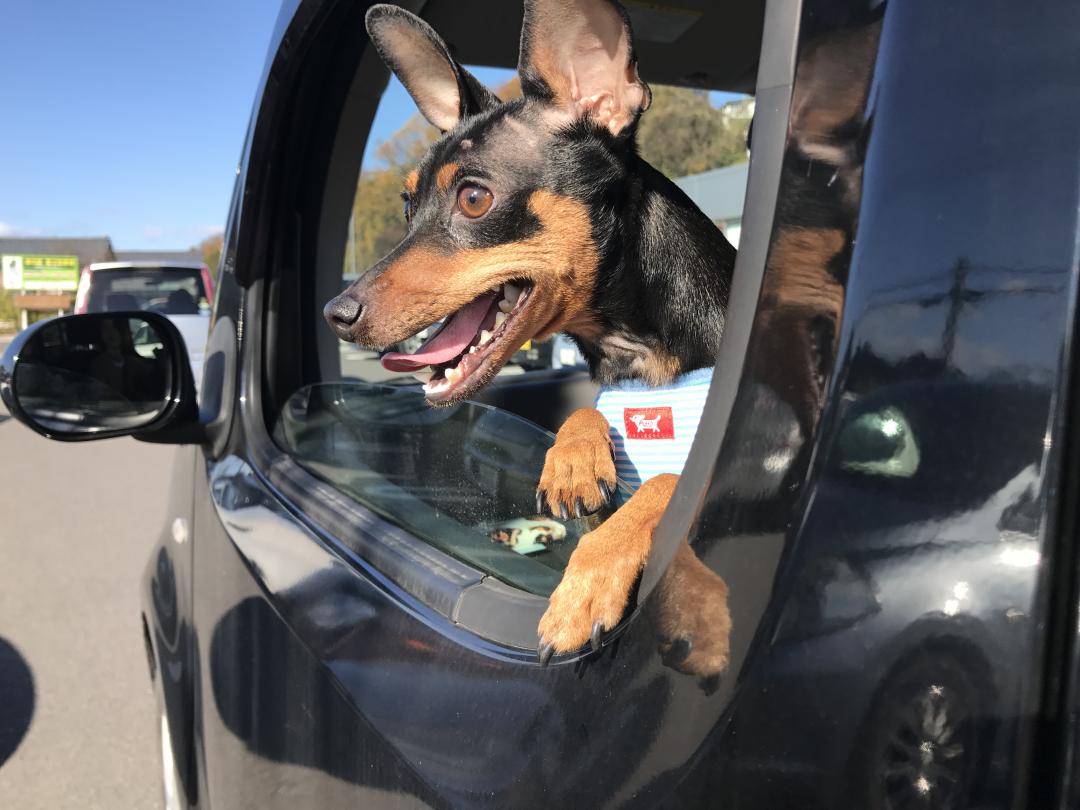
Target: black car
(885, 476)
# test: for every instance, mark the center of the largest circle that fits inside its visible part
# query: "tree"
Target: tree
(8, 312)
(378, 222)
(682, 133)
(210, 249)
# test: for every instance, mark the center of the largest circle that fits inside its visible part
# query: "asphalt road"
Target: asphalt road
(77, 717)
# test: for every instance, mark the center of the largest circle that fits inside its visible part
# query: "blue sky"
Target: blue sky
(125, 118)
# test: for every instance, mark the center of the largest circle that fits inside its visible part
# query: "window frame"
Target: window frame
(315, 159)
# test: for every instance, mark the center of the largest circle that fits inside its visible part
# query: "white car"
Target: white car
(181, 291)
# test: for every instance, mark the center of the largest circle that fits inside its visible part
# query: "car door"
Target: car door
(360, 636)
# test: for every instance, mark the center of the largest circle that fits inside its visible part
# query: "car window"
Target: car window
(169, 291)
(464, 479)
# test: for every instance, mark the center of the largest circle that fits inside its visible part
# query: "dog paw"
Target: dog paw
(578, 477)
(692, 618)
(589, 602)
(678, 655)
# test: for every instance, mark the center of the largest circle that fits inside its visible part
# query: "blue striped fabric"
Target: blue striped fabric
(653, 428)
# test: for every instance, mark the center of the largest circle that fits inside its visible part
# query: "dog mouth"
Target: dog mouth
(470, 346)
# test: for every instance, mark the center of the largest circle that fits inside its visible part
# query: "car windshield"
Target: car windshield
(167, 290)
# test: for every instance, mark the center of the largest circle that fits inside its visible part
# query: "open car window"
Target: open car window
(464, 479)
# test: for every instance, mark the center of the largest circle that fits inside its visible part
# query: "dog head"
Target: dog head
(511, 213)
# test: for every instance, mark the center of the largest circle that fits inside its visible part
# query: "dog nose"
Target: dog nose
(341, 313)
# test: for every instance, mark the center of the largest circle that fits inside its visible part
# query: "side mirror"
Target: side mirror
(98, 376)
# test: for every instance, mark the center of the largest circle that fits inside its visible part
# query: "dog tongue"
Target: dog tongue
(449, 342)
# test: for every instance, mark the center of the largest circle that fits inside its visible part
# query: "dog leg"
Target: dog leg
(579, 469)
(602, 571)
(692, 617)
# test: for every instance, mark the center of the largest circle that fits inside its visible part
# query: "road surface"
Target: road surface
(77, 717)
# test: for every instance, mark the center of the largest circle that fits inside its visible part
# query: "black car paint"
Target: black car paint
(295, 673)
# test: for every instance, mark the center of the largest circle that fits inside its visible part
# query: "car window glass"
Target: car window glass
(169, 291)
(463, 478)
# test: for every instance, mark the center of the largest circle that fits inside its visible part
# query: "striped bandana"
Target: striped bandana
(653, 428)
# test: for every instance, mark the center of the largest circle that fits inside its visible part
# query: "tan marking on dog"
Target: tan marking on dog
(798, 270)
(831, 88)
(560, 260)
(798, 292)
(647, 362)
(603, 568)
(412, 181)
(446, 174)
(660, 368)
(578, 461)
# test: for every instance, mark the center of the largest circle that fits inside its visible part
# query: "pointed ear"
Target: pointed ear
(579, 56)
(443, 90)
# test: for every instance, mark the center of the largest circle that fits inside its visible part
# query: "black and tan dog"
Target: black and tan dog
(537, 216)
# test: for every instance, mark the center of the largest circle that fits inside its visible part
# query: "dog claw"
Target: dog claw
(544, 653)
(597, 633)
(539, 502)
(563, 513)
(678, 652)
(579, 508)
(607, 490)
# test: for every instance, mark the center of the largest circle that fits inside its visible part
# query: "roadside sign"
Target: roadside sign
(37, 272)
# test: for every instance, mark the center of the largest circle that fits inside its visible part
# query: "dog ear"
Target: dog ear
(443, 90)
(579, 56)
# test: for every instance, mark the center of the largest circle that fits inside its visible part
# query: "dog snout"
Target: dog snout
(341, 313)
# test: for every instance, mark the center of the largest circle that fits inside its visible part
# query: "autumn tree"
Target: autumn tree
(210, 250)
(682, 133)
(8, 312)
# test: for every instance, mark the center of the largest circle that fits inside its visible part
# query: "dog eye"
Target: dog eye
(474, 201)
(406, 204)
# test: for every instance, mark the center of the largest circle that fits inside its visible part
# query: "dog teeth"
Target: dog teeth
(453, 374)
(511, 293)
(504, 307)
(485, 336)
(423, 375)
(500, 319)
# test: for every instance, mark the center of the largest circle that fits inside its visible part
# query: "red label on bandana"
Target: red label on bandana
(649, 423)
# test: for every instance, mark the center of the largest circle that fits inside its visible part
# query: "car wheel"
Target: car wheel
(920, 743)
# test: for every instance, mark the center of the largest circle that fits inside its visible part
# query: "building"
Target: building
(720, 194)
(738, 111)
(89, 249)
(42, 273)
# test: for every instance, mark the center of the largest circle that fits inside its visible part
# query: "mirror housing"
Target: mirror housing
(102, 375)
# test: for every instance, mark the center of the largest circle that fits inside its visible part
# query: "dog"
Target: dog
(536, 216)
